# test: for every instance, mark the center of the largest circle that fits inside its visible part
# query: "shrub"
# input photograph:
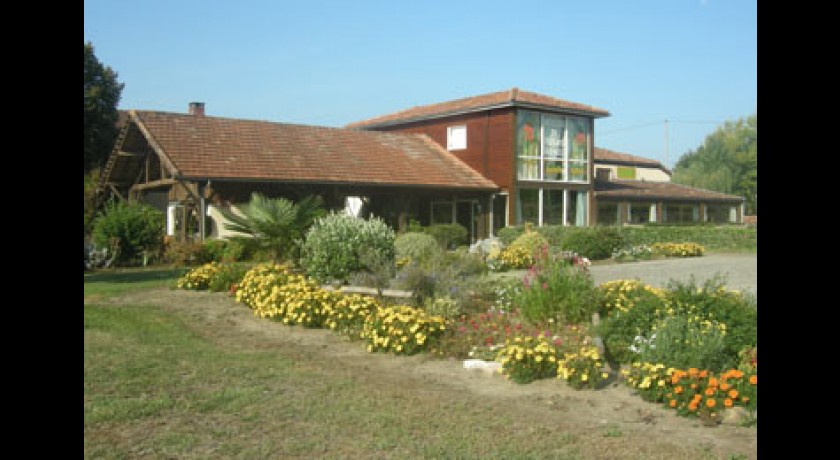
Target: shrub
(525, 359)
(334, 244)
(448, 236)
(713, 302)
(631, 309)
(182, 253)
(446, 307)
(685, 341)
(132, 229)
(582, 369)
(509, 234)
(227, 277)
(521, 253)
(418, 247)
(554, 289)
(402, 330)
(451, 274)
(596, 243)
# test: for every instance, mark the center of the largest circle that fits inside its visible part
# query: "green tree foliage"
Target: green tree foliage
(275, 224)
(129, 228)
(91, 180)
(102, 93)
(726, 162)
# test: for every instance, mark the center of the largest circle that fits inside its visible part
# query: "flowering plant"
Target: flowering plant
(582, 369)
(348, 313)
(401, 329)
(678, 249)
(525, 359)
(199, 278)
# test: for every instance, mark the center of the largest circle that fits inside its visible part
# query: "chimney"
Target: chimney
(197, 109)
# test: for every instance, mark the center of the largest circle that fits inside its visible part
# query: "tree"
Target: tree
(726, 162)
(276, 224)
(102, 93)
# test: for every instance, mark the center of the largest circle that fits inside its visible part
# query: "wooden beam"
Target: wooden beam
(164, 159)
(153, 184)
(123, 153)
(116, 192)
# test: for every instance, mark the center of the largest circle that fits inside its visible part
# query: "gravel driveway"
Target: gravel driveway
(740, 271)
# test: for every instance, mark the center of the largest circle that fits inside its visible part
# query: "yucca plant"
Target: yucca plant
(276, 224)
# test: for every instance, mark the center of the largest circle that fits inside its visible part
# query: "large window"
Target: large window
(551, 206)
(552, 147)
(641, 213)
(720, 214)
(681, 213)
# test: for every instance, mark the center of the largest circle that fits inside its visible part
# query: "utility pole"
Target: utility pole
(666, 143)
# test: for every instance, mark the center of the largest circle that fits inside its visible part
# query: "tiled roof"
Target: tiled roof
(610, 156)
(223, 148)
(504, 98)
(667, 191)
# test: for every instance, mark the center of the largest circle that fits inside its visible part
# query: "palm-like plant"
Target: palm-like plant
(276, 224)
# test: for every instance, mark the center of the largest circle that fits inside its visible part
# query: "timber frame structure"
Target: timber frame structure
(140, 170)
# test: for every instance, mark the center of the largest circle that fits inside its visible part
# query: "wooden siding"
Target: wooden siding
(490, 141)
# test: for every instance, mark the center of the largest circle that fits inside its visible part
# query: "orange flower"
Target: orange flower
(713, 382)
(693, 386)
(736, 373)
(753, 379)
(692, 406)
(745, 399)
(727, 402)
(678, 389)
(673, 403)
(710, 391)
(725, 386)
(703, 374)
(710, 402)
(733, 393)
(692, 371)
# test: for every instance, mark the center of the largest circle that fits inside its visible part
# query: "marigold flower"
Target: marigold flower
(753, 379)
(692, 406)
(709, 391)
(710, 402)
(673, 403)
(703, 374)
(725, 386)
(727, 402)
(733, 393)
(678, 389)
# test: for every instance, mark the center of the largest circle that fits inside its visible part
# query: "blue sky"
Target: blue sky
(329, 63)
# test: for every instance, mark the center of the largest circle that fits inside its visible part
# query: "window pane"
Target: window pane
(578, 171)
(528, 169)
(578, 137)
(640, 213)
(552, 207)
(607, 213)
(553, 170)
(553, 129)
(528, 134)
(577, 208)
(527, 206)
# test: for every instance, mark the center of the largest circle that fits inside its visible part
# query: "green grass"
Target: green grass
(101, 284)
(159, 385)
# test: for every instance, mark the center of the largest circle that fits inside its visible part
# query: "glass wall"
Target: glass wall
(551, 207)
(607, 213)
(681, 213)
(542, 143)
(640, 213)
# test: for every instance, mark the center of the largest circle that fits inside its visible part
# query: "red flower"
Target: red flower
(529, 132)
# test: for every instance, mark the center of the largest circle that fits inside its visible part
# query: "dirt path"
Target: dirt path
(220, 319)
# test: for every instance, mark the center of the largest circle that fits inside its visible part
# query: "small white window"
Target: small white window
(456, 137)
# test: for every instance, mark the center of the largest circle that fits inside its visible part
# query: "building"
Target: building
(484, 162)
(190, 165)
(540, 151)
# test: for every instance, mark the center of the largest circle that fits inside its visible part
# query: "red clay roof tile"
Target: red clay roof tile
(225, 148)
(510, 97)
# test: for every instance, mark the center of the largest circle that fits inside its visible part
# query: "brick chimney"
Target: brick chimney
(197, 109)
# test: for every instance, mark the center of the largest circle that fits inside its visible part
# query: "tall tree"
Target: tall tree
(102, 93)
(726, 162)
